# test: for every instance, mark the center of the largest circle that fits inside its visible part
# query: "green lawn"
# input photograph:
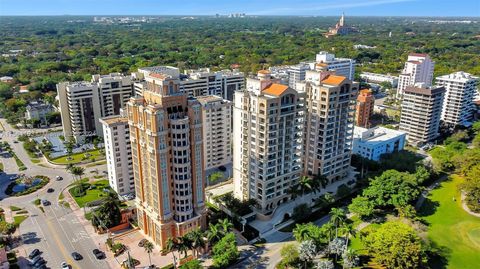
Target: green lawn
(79, 157)
(91, 195)
(451, 228)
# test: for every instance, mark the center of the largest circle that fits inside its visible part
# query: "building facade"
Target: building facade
(201, 82)
(330, 109)
(421, 112)
(379, 78)
(340, 28)
(118, 153)
(364, 108)
(418, 69)
(342, 66)
(83, 103)
(296, 74)
(267, 130)
(167, 151)
(217, 131)
(38, 111)
(460, 91)
(373, 143)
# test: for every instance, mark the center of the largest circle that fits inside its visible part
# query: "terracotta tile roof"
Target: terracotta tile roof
(158, 75)
(275, 89)
(366, 91)
(418, 54)
(333, 80)
(264, 72)
(414, 62)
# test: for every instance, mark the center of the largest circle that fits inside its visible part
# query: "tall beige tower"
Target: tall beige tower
(330, 111)
(267, 141)
(167, 153)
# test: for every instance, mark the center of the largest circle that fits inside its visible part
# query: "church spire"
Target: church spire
(342, 19)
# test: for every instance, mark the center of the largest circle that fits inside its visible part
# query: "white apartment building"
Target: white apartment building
(267, 134)
(379, 78)
(200, 82)
(83, 103)
(330, 110)
(217, 131)
(421, 112)
(296, 73)
(118, 152)
(372, 143)
(342, 66)
(418, 69)
(460, 91)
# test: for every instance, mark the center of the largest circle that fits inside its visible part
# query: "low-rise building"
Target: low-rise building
(372, 143)
(118, 153)
(38, 111)
(379, 78)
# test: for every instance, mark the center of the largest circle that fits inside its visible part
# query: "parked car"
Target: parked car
(50, 190)
(39, 263)
(76, 256)
(98, 254)
(45, 202)
(34, 253)
(65, 265)
(58, 178)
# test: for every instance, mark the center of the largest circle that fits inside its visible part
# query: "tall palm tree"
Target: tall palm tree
(148, 246)
(320, 181)
(171, 246)
(349, 230)
(293, 192)
(225, 225)
(338, 217)
(196, 237)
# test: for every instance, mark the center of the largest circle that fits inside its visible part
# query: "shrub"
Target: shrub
(301, 212)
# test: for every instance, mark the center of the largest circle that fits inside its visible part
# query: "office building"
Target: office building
(379, 78)
(201, 82)
(364, 108)
(373, 143)
(458, 106)
(217, 131)
(342, 66)
(418, 69)
(330, 109)
(166, 138)
(421, 112)
(83, 103)
(118, 153)
(267, 134)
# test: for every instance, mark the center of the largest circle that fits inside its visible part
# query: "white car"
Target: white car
(65, 265)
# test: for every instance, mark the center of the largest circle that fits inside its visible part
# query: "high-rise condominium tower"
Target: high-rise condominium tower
(421, 111)
(268, 129)
(342, 66)
(418, 69)
(83, 103)
(364, 108)
(330, 109)
(458, 106)
(167, 152)
(217, 131)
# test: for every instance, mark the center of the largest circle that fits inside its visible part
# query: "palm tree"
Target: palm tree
(301, 233)
(184, 244)
(225, 225)
(338, 217)
(320, 180)
(171, 246)
(196, 237)
(77, 172)
(349, 230)
(293, 191)
(148, 246)
(213, 234)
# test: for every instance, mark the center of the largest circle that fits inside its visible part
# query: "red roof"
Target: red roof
(418, 54)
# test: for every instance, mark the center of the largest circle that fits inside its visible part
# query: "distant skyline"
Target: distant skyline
(464, 8)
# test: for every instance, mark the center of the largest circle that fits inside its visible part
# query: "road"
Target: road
(57, 231)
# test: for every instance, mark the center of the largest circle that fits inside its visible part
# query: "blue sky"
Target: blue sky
(262, 7)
